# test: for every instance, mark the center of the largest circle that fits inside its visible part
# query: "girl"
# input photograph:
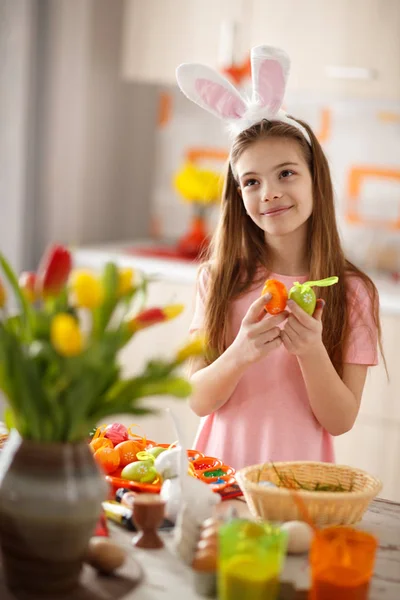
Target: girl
(275, 387)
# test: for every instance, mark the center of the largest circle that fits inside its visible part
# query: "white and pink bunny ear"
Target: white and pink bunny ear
(210, 91)
(269, 71)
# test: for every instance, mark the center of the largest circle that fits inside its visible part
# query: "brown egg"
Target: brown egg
(211, 531)
(211, 543)
(104, 555)
(205, 560)
(211, 522)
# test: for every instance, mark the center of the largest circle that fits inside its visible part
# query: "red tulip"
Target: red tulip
(3, 295)
(53, 271)
(152, 316)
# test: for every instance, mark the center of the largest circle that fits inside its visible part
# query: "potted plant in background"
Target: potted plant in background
(201, 188)
(60, 375)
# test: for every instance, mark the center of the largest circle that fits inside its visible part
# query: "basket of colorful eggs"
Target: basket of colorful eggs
(324, 493)
(132, 461)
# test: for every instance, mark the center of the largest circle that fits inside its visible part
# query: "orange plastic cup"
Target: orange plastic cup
(342, 563)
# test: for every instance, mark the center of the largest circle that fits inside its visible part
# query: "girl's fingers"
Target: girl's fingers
(270, 322)
(300, 314)
(256, 310)
(269, 335)
(287, 342)
(294, 325)
(289, 334)
(273, 344)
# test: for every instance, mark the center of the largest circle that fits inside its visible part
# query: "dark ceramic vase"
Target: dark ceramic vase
(50, 501)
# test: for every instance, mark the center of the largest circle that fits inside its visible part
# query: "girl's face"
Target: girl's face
(275, 185)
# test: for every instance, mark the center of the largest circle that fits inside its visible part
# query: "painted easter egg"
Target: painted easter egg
(107, 458)
(156, 451)
(100, 442)
(128, 451)
(279, 294)
(304, 296)
(141, 470)
(116, 432)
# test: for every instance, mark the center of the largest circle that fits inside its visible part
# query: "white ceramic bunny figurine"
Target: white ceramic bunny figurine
(189, 501)
(167, 464)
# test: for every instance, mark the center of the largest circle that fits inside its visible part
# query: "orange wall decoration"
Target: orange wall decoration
(197, 154)
(164, 109)
(238, 72)
(325, 129)
(357, 177)
(389, 117)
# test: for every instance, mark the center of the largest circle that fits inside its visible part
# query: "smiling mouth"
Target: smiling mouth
(276, 211)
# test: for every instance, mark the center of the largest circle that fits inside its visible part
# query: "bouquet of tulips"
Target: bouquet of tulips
(197, 185)
(59, 349)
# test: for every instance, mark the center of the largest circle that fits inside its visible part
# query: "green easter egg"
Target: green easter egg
(156, 451)
(150, 476)
(141, 471)
(305, 297)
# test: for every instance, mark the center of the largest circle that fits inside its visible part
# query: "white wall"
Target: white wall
(98, 131)
(76, 142)
(17, 45)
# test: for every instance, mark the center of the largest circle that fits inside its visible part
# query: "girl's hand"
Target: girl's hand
(259, 333)
(302, 334)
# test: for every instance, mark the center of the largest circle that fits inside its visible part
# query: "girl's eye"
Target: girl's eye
(285, 174)
(250, 182)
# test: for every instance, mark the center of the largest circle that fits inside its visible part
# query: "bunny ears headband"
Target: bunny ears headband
(213, 92)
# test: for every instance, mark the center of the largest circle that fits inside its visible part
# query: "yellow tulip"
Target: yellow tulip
(195, 347)
(66, 335)
(87, 289)
(198, 185)
(173, 310)
(125, 283)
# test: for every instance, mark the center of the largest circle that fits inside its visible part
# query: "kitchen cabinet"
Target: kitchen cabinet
(159, 35)
(374, 442)
(344, 33)
(317, 34)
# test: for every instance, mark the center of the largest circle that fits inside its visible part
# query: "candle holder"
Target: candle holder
(147, 515)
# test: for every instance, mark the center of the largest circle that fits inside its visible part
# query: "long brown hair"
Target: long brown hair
(238, 247)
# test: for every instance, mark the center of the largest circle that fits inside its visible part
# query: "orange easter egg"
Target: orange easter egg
(107, 458)
(279, 294)
(99, 442)
(127, 451)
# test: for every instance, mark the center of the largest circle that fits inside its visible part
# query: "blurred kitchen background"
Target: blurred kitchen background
(93, 132)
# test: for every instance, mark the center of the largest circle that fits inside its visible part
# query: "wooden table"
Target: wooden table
(159, 575)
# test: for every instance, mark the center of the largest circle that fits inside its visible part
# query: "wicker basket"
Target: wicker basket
(323, 508)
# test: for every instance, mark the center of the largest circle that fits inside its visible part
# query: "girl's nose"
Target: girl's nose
(270, 195)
